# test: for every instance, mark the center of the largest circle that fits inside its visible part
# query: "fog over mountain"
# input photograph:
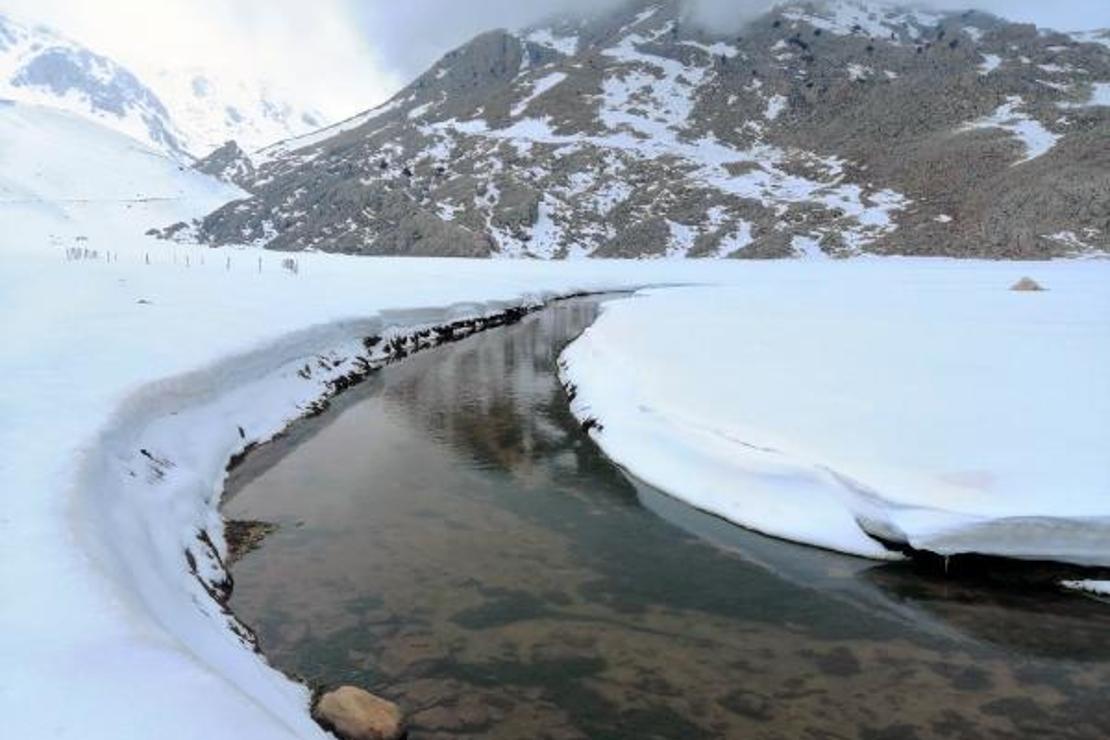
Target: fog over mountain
(314, 56)
(408, 37)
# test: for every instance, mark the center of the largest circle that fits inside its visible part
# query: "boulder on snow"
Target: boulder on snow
(355, 714)
(1027, 285)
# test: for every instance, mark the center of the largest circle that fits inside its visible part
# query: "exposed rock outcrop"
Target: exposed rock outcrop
(230, 164)
(835, 128)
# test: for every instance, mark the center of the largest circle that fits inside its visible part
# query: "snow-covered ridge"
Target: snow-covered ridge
(305, 141)
(39, 66)
(184, 113)
(646, 105)
(213, 108)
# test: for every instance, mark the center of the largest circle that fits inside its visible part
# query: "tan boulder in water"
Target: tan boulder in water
(355, 714)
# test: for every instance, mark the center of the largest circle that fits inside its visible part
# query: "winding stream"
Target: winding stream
(450, 539)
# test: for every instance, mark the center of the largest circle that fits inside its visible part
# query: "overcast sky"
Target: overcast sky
(410, 35)
(342, 56)
(315, 51)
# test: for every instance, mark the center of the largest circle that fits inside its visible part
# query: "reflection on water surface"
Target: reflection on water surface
(451, 540)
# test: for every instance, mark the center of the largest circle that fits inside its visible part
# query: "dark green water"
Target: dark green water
(451, 540)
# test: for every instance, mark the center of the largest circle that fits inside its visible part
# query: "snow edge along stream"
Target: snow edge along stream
(153, 479)
(788, 497)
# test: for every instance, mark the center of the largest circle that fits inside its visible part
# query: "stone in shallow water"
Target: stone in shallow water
(355, 714)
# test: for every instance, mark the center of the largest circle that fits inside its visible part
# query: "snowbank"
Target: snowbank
(921, 402)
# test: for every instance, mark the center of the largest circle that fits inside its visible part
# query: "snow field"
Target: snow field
(922, 402)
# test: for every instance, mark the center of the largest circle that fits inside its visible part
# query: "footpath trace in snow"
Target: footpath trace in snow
(920, 403)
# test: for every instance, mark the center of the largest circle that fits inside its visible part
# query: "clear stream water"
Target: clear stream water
(450, 539)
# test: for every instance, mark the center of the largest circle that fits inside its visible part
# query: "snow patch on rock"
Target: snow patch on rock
(539, 87)
(991, 62)
(565, 45)
(1036, 139)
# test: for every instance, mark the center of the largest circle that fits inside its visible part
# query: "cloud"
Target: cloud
(726, 16)
(407, 37)
(1070, 15)
(313, 54)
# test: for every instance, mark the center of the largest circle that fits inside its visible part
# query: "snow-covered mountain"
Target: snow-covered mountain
(183, 113)
(39, 66)
(67, 181)
(215, 109)
(822, 128)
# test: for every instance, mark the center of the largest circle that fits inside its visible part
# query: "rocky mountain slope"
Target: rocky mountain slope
(822, 128)
(182, 113)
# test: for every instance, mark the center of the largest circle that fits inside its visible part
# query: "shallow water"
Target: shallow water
(450, 539)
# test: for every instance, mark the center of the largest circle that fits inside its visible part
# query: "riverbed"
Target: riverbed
(450, 538)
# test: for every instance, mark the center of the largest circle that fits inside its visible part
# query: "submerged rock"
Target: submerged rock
(355, 714)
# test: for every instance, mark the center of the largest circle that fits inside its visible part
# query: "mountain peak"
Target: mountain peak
(39, 66)
(180, 113)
